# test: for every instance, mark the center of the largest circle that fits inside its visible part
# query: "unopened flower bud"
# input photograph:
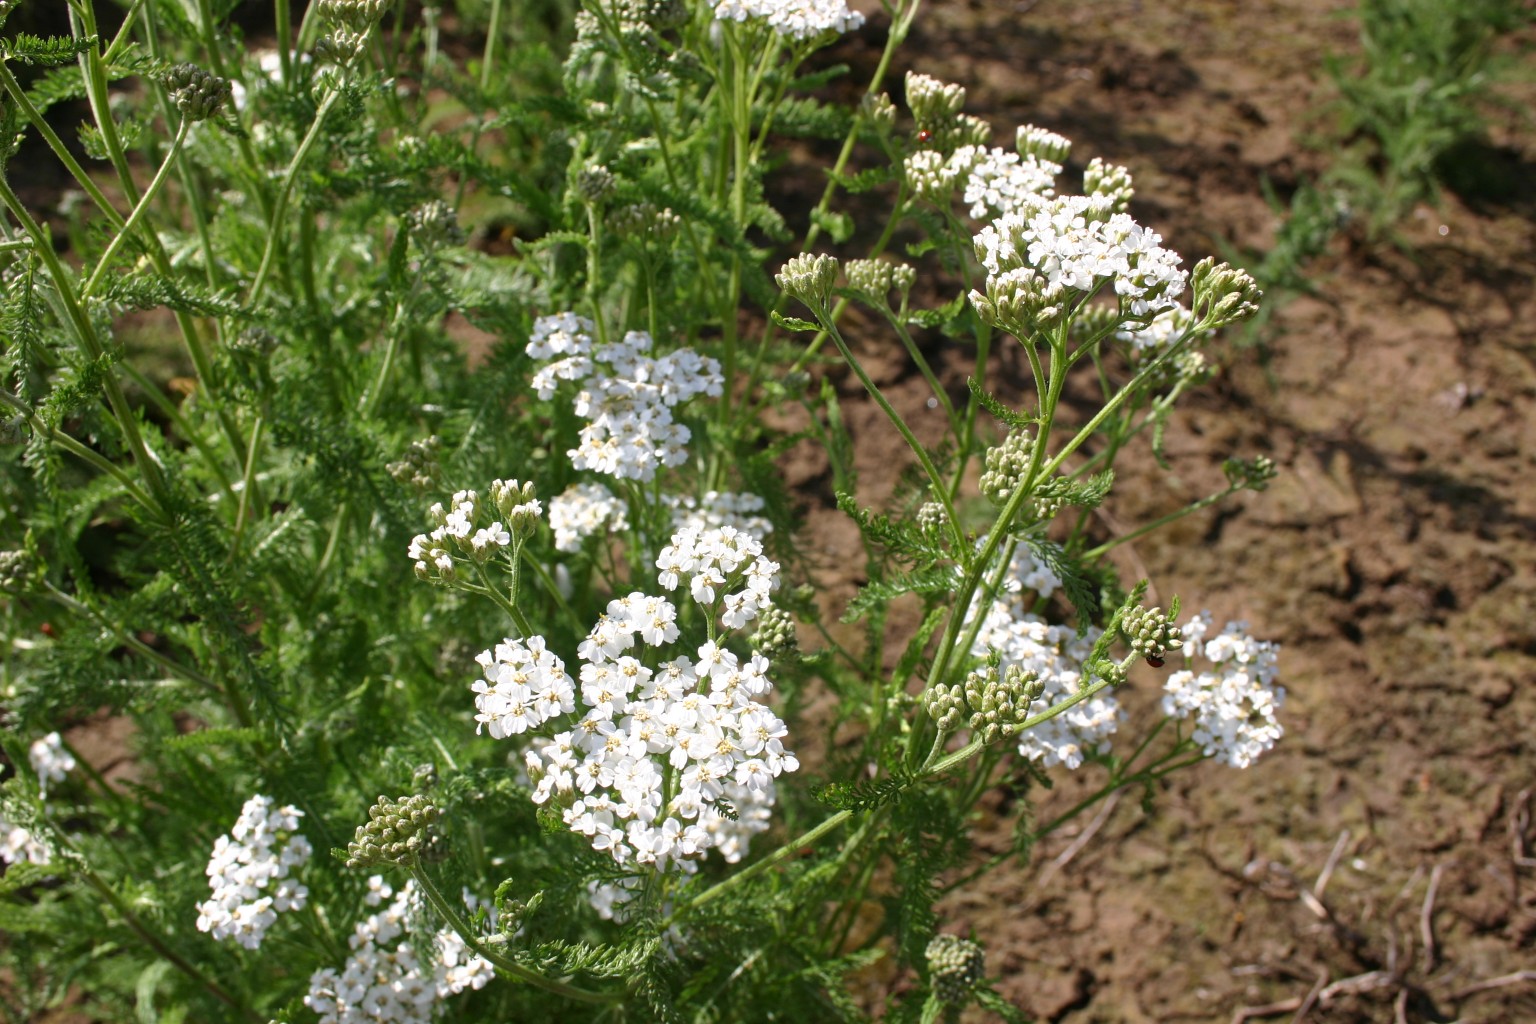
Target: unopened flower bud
(594, 184)
(396, 831)
(809, 277)
(1109, 181)
(934, 104)
(196, 93)
(955, 965)
(1250, 474)
(1043, 145)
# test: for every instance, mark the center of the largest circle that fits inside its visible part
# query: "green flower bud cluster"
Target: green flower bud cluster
(931, 517)
(1109, 181)
(18, 571)
(1006, 465)
(1150, 633)
(594, 184)
(1043, 145)
(196, 93)
(1223, 294)
(809, 277)
(955, 965)
(1250, 474)
(990, 702)
(874, 280)
(935, 105)
(419, 467)
(775, 636)
(356, 15)
(434, 225)
(639, 222)
(880, 111)
(396, 832)
(518, 506)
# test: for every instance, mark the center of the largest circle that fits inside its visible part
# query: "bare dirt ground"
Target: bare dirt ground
(1376, 866)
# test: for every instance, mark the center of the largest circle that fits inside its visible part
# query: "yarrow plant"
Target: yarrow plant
(525, 634)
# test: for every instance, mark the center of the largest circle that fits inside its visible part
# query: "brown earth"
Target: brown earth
(1376, 866)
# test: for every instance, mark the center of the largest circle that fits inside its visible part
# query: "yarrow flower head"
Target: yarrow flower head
(712, 561)
(628, 397)
(695, 718)
(583, 511)
(524, 686)
(391, 976)
(720, 508)
(251, 872)
(50, 761)
(1233, 705)
(797, 19)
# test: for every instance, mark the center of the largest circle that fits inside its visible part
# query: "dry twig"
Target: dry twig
(1427, 920)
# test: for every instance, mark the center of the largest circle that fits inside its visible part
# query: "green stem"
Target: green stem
(504, 966)
(35, 117)
(285, 195)
(139, 209)
(132, 642)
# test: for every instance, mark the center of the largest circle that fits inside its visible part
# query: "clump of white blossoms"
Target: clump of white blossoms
(251, 872)
(798, 19)
(50, 761)
(19, 846)
(628, 398)
(524, 686)
(460, 537)
(1055, 656)
(585, 510)
(674, 756)
(739, 511)
(998, 182)
(1233, 705)
(386, 980)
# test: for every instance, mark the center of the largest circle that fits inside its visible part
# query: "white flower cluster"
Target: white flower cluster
(668, 762)
(524, 685)
(1166, 328)
(713, 559)
(18, 845)
(1049, 249)
(720, 508)
(1233, 705)
(999, 182)
(1028, 573)
(585, 510)
(628, 397)
(385, 980)
(50, 761)
(798, 19)
(251, 870)
(1056, 655)
(457, 532)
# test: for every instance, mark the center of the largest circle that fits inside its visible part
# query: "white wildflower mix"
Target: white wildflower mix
(627, 398)
(1233, 705)
(251, 873)
(798, 19)
(1028, 573)
(585, 510)
(387, 980)
(50, 761)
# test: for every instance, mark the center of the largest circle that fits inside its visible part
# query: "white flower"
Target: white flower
(585, 510)
(524, 685)
(250, 873)
(1232, 706)
(798, 19)
(50, 761)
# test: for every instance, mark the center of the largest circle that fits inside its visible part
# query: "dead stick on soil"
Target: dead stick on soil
(1427, 920)
(1081, 841)
(1501, 981)
(1370, 981)
(1247, 1013)
(1312, 997)
(1519, 821)
(1333, 862)
(1400, 1007)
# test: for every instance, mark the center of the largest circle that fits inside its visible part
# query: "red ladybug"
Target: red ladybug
(1154, 662)
(924, 135)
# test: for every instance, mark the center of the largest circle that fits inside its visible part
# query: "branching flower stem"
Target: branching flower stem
(504, 966)
(285, 195)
